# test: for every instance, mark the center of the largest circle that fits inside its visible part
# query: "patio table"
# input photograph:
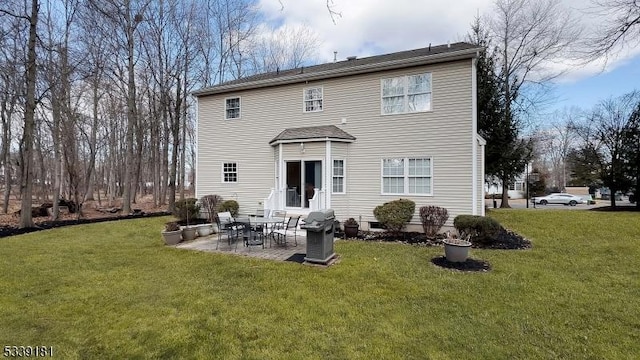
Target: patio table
(256, 220)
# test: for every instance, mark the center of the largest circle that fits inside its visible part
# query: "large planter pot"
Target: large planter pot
(456, 250)
(205, 230)
(189, 233)
(172, 237)
(351, 231)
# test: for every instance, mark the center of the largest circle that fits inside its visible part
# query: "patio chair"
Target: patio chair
(291, 226)
(228, 225)
(252, 233)
(263, 212)
(279, 214)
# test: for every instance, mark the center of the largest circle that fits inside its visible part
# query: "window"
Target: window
(404, 176)
(517, 186)
(406, 94)
(338, 177)
(229, 172)
(313, 99)
(232, 108)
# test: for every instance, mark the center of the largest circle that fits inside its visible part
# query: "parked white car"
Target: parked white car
(558, 198)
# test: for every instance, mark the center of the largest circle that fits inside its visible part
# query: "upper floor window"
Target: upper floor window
(406, 176)
(338, 177)
(232, 108)
(406, 94)
(229, 172)
(313, 99)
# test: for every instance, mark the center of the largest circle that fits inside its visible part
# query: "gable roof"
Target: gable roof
(423, 56)
(325, 132)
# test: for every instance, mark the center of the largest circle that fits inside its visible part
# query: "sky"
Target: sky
(373, 27)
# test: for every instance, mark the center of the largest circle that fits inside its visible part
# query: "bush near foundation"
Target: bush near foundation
(395, 215)
(231, 206)
(433, 219)
(480, 230)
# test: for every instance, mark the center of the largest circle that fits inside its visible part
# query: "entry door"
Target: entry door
(299, 172)
(294, 182)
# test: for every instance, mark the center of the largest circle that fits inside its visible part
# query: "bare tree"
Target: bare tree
(558, 141)
(12, 88)
(530, 37)
(90, 89)
(26, 143)
(609, 126)
(621, 27)
(126, 15)
(283, 48)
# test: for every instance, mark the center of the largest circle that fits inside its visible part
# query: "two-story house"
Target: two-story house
(347, 135)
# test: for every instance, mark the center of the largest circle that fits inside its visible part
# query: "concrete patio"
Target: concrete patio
(275, 252)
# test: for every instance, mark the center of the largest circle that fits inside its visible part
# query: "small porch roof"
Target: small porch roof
(312, 133)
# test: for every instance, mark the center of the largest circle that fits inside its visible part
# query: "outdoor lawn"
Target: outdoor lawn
(114, 291)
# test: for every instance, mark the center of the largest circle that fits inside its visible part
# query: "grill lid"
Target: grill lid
(320, 216)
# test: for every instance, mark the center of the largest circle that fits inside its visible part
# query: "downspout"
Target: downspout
(280, 185)
(328, 176)
(197, 177)
(482, 146)
(474, 138)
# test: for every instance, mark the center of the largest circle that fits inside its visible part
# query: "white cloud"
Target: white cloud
(576, 70)
(378, 26)
(372, 27)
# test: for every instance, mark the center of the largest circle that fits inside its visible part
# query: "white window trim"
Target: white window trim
(405, 175)
(344, 176)
(406, 95)
(304, 100)
(222, 172)
(239, 107)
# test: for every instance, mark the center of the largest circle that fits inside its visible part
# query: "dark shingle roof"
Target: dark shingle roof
(313, 133)
(342, 68)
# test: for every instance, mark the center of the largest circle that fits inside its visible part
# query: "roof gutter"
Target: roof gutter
(327, 74)
(306, 140)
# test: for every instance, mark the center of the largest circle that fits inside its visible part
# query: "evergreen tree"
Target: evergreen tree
(584, 165)
(505, 154)
(632, 150)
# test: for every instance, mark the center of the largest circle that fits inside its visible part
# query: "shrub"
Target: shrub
(479, 229)
(210, 203)
(351, 222)
(187, 209)
(172, 226)
(394, 215)
(433, 219)
(231, 206)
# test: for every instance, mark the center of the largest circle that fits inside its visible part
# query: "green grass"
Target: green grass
(113, 291)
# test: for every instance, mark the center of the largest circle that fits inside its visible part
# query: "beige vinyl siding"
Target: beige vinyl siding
(312, 151)
(443, 134)
(340, 202)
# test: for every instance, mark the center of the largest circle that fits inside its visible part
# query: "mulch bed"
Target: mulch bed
(471, 265)
(12, 230)
(506, 239)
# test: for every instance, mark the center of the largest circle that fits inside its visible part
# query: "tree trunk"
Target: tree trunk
(6, 114)
(131, 113)
(175, 129)
(183, 152)
(507, 108)
(504, 204)
(88, 186)
(26, 181)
